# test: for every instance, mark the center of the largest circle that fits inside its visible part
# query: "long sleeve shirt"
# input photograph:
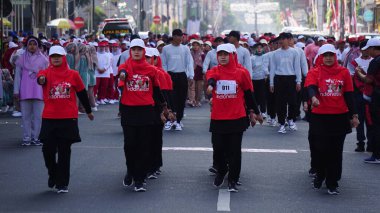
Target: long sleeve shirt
(210, 61)
(285, 62)
(178, 59)
(123, 57)
(244, 58)
(303, 62)
(104, 62)
(259, 67)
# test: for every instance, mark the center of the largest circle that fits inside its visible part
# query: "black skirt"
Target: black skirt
(137, 115)
(229, 126)
(64, 129)
(327, 124)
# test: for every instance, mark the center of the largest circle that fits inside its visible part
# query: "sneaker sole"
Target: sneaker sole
(219, 185)
(233, 190)
(332, 193)
(140, 190)
(372, 162)
(126, 184)
(62, 191)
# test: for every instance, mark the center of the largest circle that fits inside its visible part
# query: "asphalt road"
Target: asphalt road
(274, 173)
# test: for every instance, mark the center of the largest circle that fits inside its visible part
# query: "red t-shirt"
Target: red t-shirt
(138, 88)
(59, 93)
(228, 94)
(165, 80)
(331, 87)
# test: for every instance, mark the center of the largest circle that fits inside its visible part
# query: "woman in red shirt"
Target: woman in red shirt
(231, 89)
(60, 116)
(141, 89)
(333, 114)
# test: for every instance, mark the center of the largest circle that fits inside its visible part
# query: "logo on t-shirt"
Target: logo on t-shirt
(332, 87)
(138, 83)
(61, 90)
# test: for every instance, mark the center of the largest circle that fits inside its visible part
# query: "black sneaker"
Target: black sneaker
(360, 147)
(139, 187)
(62, 189)
(312, 172)
(238, 183)
(36, 142)
(51, 182)
(128, 181)
(158, 172)
(232, 187)
(212, 170)
(152, 176)
(219, 180)
(333, 191)
(317, 182)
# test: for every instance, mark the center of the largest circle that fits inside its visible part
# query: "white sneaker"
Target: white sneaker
(81, 113)
(97, 104)
(177, 126)
(102, 102)
(94, 109)
(116, 100)
(106, 100)
(16, 114)
(168, 125)
(264, 115)
(273, 122)
(269, 120)
(111, 102)
(292, 125)
(282, 129)
(181, 124)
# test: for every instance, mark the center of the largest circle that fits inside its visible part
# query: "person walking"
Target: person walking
(26, 89)
(59, 128)
(333, 114)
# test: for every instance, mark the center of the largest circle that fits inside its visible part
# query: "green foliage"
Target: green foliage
(175, 25)
(81, 3)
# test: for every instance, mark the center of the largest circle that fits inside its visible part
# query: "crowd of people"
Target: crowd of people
(244, 78)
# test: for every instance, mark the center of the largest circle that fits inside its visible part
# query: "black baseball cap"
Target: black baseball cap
(177, 32)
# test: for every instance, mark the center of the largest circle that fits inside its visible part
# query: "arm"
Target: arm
(247, 62)
(83, 98)
(190, 64)
(17, 80)
(297, 67)
(251, 101)
(304, 65)
(206, 63)
(272, 68)
(164, 59)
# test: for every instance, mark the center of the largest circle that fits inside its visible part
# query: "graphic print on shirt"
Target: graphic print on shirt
(331, 88)
(138, 83)
(61, 90)
(226, 89)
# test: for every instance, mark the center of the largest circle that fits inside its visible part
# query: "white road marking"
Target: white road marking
(208, 149)
(223, 200)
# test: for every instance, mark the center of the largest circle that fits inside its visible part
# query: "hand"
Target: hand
(252, 119)
(90, 116)
(271, 89)
(42, 80)
(305, 107)
(358, 70)
(163, 118)
(16, 96)
(122, 76)
(260, 119)
(298, 87)
(355, 121)
(209, 90)
(101, 71)
(314, 102)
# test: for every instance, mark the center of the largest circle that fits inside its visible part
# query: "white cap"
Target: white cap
(232, 48)
(149, 52)
(160, 42)
(251, 42)
(143, 37)
(112, 42)
(300, 45)
(373, 42)
(321, 38)
(62, 42)
(224, 47)
(301, 37)
(12, 44)
(208, 43)
(263, 41)
(44, 41)
(137, 43)
(155, 52)
(196, 41)
(326, 48)
(58, 50)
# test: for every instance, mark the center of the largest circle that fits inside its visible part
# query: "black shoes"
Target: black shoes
(51, 182)
(213, 170)
(152, 176)
(128, 181)
(62, 189)
(312, 172)
(232, 187)
(317, 182)
(219, 180)
(139, 187)
(360, 147)
(333, 191)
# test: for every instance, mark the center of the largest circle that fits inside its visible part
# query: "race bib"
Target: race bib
(225, 87)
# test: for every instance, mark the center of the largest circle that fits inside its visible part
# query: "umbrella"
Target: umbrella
(6, 23)
(61, 23)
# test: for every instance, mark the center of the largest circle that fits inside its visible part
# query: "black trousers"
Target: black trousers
(260, 94)
(271, 106)
(179, 93)
(58, 170)
(300, 98)
(312, 152)
(360, 105)
(137, 140)
(286, 97)
(155, 156)
(227, 149)
(375, 142)
(328, 156)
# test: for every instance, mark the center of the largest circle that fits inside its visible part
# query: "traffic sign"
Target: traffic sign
(368, 16)
(79, 22)
(157, 19)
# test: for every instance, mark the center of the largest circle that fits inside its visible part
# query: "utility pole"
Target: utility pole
(256, 28)
(342, 20)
